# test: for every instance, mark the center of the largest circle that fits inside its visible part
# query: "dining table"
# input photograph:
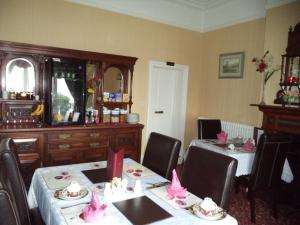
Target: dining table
(148, 204)
(245, 158)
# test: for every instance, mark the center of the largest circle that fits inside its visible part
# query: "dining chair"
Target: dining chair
(161, 154)
(7, 213)
(266, 171)
(208, 128)
(13, 186)
(209, 174)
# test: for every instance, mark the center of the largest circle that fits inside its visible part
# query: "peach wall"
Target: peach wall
(229, 99)
(62, 24)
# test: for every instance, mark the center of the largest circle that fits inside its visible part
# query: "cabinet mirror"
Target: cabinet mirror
(22, 71)
(91, 84)
(113, 81)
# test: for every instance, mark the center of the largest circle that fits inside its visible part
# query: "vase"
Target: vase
(262, 101)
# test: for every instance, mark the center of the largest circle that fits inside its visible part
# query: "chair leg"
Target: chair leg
(274, 204)
(237, 185)
(252, 205)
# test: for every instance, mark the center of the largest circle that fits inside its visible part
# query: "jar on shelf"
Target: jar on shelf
(106, 116)
(123, 116)
(115, 116)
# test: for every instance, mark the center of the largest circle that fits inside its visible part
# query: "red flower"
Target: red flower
(262, 66)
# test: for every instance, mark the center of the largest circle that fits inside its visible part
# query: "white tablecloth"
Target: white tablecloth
(245, 159)
(40, 196)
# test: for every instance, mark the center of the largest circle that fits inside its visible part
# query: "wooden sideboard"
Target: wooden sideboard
(280, 119)
(43, 145)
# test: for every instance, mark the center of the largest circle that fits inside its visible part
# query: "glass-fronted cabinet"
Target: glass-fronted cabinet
(65, 100)
(289, 93)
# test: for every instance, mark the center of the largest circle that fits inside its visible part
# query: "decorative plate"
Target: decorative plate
(63, 194)
(221, 214)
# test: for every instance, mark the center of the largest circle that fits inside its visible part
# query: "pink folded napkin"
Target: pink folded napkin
(94, 211)
(249, 145)
(222, 137)
(175, 189)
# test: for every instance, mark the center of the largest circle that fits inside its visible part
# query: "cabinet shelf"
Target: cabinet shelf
(281, 102)
(115, 104)
(18, 101)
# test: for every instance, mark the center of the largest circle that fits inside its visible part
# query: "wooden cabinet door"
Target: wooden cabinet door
(129, 141)
(56, 158)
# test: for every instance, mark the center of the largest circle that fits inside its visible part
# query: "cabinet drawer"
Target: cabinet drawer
(102, 142)
(72, 136)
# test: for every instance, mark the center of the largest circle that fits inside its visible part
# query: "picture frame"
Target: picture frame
(231, 65)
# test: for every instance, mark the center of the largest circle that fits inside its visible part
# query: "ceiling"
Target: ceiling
(196, 15)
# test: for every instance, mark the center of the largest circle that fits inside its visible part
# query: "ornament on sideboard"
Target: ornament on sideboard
(292, 80)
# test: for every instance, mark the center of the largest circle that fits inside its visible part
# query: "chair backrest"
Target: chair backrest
(12, 182)
(209, 174)
(161, 154)
(208, 129)
(269, 159)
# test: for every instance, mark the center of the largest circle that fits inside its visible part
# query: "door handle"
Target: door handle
(159, 112)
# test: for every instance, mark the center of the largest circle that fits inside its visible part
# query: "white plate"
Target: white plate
(61, 194)
(221, 214)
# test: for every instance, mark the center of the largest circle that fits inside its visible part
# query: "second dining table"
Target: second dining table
(244, 158)
(147, 206)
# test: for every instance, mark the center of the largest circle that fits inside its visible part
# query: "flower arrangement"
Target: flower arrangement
(264, 66)
(92, 85)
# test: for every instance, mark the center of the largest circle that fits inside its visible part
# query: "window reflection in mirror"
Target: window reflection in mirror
(113, 80)
(20, 75)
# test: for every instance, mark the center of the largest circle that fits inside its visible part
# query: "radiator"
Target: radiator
(237, 130)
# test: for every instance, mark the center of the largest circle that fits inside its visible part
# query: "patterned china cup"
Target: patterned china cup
(72, 190)
(208, 207)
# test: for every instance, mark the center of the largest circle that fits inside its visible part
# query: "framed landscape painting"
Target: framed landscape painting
(231, 65)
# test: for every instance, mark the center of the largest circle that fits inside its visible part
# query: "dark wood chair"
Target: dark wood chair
(209, 174)
(161, 154)
(13, 188)
(267, 168)
(208, 128)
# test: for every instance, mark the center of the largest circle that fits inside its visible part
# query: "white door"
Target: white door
(167, 99)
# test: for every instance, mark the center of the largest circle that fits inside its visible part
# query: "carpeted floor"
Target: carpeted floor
(240, 209)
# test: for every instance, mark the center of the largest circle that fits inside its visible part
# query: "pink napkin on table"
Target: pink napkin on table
(249, 145)
(175, 188)
(222, 137)
(94, 211)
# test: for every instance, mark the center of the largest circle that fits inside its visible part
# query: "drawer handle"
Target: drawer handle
(64, 146)
(94, 135)
(94, 145)
(64, 136)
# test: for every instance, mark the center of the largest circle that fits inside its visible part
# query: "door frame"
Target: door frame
(185, 71)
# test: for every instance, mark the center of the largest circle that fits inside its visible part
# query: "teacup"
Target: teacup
(208, 207)
(72, 190)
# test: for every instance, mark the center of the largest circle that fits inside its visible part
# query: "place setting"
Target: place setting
(178, 197)
(234, 144)
(175, 195)
(59, 179)
(137, 171)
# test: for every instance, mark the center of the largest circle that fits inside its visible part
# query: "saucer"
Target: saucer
(220, 214)
(63, 194)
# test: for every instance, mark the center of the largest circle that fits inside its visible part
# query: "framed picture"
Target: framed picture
(231, 65)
